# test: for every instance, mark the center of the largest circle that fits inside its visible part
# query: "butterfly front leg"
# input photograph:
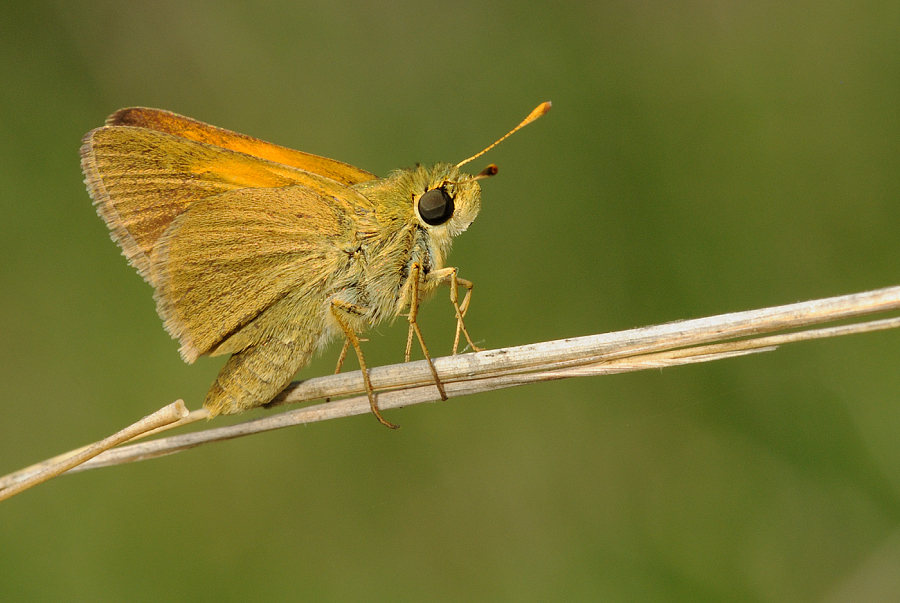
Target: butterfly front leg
(448, 276)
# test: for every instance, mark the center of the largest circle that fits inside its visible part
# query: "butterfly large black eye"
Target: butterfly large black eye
(435, 207)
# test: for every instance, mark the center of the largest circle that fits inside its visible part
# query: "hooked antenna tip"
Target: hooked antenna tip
(538, 112)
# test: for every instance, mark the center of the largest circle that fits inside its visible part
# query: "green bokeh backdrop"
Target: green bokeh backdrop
(701, 157)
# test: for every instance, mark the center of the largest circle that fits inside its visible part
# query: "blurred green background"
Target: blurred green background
(701, 157)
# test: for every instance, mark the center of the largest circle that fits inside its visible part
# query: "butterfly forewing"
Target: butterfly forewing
(185, 127)
(142, 179)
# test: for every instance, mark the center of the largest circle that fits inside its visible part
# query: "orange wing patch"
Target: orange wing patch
(185, 127)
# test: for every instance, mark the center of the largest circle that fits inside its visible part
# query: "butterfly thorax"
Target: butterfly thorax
(395, 235)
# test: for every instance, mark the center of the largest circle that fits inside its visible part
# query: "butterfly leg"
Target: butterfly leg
(448, 275)
(342, 357)
(340, 361)
(415, 298)
(337, 308)
(414, 301)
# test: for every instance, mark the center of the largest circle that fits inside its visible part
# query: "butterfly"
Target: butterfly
(267, 253)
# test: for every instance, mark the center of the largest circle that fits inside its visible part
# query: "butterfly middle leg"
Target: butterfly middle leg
(417, 279)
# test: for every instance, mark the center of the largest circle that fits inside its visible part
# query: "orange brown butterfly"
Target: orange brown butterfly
(268, 254)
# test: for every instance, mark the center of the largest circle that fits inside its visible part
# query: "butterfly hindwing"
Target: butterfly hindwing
(232, 256)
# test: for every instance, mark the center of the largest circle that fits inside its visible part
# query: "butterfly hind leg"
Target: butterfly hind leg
(340, 310)
(342, 357)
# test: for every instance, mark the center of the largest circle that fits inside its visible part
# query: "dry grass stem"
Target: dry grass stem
(36, 474)
(672, 344)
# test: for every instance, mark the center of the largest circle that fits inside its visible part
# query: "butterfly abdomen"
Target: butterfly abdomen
(257, 374)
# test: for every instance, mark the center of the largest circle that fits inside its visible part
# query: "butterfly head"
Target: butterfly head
(446, 201)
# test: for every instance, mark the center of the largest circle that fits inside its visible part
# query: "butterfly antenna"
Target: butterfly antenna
(539, 111)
